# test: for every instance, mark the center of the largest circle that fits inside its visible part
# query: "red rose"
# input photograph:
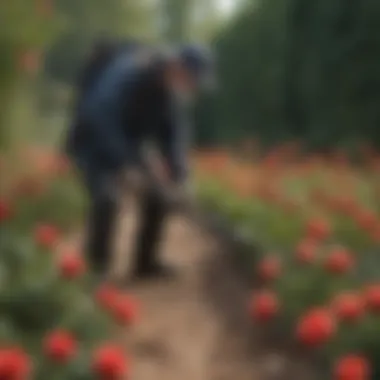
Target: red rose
(46, 236)
(339, 261)
(5, 210)
(60, 346)
(264, 306)
(316, 327)
(372, 297)
(107, 296)
(110, 363)
(15, 364)
(318, 229)
(71, 266)
(306, 252)
(352, 367)
(349, 307)
(269, 269)
(125, 310)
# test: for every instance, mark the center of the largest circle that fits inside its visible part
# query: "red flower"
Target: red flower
(349, 307)
(60, 346)
(375, 234)
(339, 261)
(366, 220)
(60, 165)
(268, 193)
(109, 363)
(269, 269)
(316, 327)
(71, 266)
(46, 235)
(318, 196)
(107, 296)
(44, 8)
(30, 61)
(5, 211)
(346, 205)
(290, 206)
(29, 187)
(318, 229)
(306, 252)
(352, 367)
(15, 364)
(372, 297)
(264, 306)
(125, 310)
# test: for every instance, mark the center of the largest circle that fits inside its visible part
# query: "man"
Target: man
(139, 96)
(103, 51)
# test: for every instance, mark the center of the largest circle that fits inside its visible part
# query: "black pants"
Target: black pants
(102, 223)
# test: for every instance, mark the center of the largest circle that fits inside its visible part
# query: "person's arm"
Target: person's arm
(174, 142)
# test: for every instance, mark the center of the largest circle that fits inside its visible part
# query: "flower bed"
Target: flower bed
(320, 269)
(53, 325)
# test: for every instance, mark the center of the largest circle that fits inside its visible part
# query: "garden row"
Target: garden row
(53, 323)
(319, 272)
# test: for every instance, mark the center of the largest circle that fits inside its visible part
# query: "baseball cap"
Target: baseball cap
(199, 61)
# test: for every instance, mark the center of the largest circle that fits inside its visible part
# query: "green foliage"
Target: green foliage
(23, 27)
(47, 309)
(86, 21)
(301, 69)
(36, 299)
(303, 285)
(47, 205)
(190, 19)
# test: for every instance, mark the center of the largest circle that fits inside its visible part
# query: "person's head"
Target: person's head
(190, 71)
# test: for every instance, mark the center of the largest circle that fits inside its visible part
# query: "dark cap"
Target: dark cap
(199, 61)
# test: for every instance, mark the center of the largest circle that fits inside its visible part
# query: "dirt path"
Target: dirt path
(196, 327)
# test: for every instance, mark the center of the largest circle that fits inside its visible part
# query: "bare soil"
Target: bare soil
(196, 327)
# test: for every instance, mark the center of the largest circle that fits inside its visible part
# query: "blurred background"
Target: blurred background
(45, 42)
(286, 153)
(288, 69)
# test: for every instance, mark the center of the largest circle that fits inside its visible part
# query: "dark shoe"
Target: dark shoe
(155, 271)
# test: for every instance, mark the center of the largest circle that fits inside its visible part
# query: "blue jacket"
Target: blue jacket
(126, 106)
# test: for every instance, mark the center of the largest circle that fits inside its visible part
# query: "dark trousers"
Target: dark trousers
(102, 223)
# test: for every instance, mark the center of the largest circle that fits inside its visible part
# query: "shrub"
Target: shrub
(323, 223)
(52, 323)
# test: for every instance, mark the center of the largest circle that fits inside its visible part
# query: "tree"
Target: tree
(186, 20)
(25, 28)
(87, 20)
(301, 69)
(176, 19)
(53, 324)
